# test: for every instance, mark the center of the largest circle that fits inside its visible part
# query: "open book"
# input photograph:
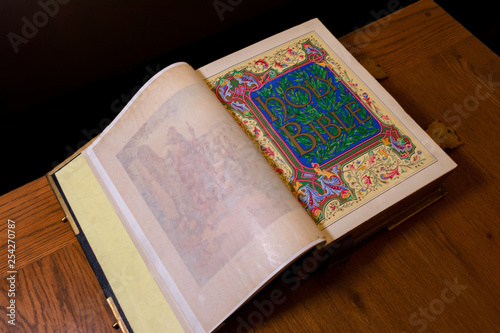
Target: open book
(211, 181)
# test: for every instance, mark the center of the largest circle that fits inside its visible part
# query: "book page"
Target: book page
(341, 144)
(206, 211)
(130, 280)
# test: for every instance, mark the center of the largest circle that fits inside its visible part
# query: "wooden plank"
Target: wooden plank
(57, 293)
(406, 36)
(458, 86)
(38, 227)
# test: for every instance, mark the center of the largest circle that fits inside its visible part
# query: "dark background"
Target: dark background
(78, 62)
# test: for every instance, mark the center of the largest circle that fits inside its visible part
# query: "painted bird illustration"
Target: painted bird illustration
(401, 145)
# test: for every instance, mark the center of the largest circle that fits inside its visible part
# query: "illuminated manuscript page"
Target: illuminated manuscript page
(339, 141)
(208, 214)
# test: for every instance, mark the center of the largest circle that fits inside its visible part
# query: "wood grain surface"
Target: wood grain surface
(38, 227)
(57, 293)
(437, 272)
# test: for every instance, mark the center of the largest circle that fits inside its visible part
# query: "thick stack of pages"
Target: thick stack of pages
(210, 182)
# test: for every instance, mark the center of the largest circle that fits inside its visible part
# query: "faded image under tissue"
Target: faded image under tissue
(196, 186)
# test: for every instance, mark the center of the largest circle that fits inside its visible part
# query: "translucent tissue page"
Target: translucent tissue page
(209, 215)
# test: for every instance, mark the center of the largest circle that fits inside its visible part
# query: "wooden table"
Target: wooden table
(438, 272)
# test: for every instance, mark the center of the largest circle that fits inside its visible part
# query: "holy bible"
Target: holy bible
(212, 181)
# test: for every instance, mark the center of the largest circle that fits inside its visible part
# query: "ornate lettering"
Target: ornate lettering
(293, 137)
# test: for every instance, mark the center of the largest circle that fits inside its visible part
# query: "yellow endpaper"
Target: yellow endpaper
(134, 287)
